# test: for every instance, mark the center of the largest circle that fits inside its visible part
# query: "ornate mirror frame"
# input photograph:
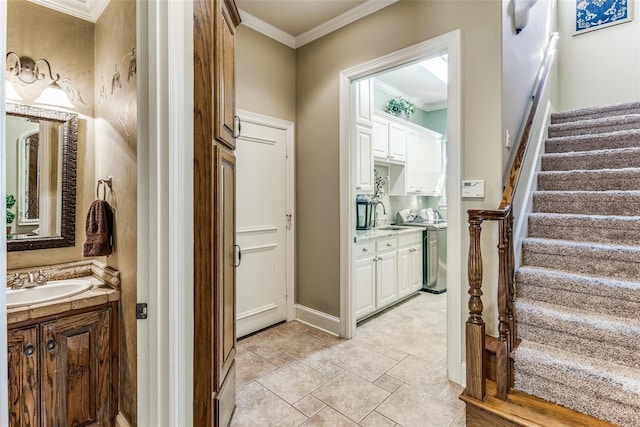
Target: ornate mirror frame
(69, 122)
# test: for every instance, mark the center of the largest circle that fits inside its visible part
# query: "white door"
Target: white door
(261, 226)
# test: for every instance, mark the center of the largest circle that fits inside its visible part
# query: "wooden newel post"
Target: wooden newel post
(503, 371)
(476, 383)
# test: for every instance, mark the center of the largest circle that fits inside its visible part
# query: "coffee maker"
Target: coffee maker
(364, 212)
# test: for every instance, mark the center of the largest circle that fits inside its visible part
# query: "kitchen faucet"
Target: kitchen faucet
(375, 212)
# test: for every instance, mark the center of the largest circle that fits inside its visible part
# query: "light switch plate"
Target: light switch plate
(473, 188)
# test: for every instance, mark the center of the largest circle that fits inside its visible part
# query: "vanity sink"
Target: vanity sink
(52, 291)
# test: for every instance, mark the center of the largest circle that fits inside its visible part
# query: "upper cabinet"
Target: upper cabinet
(390, 139)
(226, 125)
(364, 102)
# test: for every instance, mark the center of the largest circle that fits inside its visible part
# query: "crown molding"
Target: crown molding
(425, 106)
(321, 30)
(89, 10)
(343, 20)
(267, 29)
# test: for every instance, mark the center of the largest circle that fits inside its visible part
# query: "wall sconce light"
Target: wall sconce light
(29, 71)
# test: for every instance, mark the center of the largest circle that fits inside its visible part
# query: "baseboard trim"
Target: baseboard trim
(318, 319)
(121, 421)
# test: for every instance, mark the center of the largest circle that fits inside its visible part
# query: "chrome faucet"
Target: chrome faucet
(375, 212)
(29, 281)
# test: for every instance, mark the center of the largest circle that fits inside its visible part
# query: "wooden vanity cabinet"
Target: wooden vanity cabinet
(63, 371)
(225, 124)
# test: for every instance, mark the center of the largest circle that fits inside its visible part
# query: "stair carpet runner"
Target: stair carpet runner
(578, 289)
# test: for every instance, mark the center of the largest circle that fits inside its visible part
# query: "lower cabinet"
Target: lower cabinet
(63, 371)
(386, 270)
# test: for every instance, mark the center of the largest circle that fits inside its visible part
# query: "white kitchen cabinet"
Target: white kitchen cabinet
(433, 168)
(389, 139)
(386, 277)
(365, 285)
(380, 138)
(397, 142)
(409, 263)
(417, 163)
(364, 102)
(364, 180)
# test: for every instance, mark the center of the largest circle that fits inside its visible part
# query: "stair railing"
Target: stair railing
(475, 326)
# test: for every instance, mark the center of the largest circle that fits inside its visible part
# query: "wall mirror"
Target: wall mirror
(41, 175)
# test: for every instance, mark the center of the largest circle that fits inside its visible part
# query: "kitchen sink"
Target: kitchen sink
(52, 291)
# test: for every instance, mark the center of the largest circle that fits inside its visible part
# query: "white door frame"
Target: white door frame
(288, 128)
(450, 43)
(165, 212)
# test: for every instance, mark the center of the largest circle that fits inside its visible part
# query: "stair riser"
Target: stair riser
(605, 111)
(603, 264)
(592, 142)
(619, 234)
(579, 341)
(557, 131)
(587, 204)
(592, 182)
(608, 160)
(599, 304)
(579, 395)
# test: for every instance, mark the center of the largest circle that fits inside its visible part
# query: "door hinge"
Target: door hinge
(141, 310)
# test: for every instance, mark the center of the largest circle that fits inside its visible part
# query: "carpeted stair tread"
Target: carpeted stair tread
(618, 158)
(596, 112)
(595, 294)
(605, 390)
(590, 180)
(611, 229)
(588, 202)
(620, 262)
(603, 336)
(577, 143)
(595, 126)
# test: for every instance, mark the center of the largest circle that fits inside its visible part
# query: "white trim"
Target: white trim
(267, 29)
(358, 12)
(4, 386)
(343, 20)
(121, 421)
(165, 197)
(289, 129)
(449, 42)
(318, 319)
(87, 10)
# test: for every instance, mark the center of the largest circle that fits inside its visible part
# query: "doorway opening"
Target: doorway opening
(447, 46)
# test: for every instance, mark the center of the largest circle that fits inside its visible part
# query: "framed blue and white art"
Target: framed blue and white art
(596, 14)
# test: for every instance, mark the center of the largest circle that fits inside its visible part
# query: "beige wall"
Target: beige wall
(601, 66)
(116, 155)
(67, 43)
(266, 75)
(318, 66)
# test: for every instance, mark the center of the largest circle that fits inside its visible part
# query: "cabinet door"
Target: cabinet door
(404, 272)
(76, 370)
(380, 138)
(24, 382)
(416, 266)
(364, 160)
(224, 339)
(397, 142)
(386, 276)
(364, 102)
(433, 166)
(365, 282)
(225, 75)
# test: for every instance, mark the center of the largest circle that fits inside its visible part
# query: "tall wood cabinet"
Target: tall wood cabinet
(215, 130)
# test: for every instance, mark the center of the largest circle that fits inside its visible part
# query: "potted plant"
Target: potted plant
(401, 107)
(11, 201)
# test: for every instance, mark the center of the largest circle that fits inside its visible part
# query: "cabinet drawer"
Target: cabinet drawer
(409, 238)
(364, 249)
(386, 244)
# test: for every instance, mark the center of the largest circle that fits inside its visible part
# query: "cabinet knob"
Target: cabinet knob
(358, 188)
(365, 250)
(388, 245)
(29, 349)
(379, 258)
(51, 344)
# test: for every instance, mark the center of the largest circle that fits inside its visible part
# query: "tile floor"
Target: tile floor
(392, 374)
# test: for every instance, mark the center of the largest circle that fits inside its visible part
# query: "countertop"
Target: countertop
(375, 233)
(98, 295)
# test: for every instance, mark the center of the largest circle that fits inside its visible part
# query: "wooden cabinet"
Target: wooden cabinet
(23, 357)
(364, 161)
(215, 129)
(63, 371)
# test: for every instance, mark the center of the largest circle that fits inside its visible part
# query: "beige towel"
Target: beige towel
(99, 227)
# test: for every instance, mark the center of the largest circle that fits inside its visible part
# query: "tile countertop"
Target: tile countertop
(98, 295)
(375, 233)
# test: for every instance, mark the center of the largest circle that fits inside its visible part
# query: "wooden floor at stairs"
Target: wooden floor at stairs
(521, 409)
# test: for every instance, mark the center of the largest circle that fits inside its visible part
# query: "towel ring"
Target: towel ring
(105, 183)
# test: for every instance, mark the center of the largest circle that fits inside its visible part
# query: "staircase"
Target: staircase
(578, 289)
